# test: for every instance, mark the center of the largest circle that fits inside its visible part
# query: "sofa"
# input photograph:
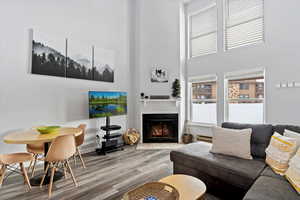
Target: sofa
(234, 178)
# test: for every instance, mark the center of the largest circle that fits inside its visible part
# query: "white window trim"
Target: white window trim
(239, 75)
(225, 16)
(198, 79)
(189, 25)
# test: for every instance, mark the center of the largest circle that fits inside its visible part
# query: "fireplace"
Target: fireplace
(160, 128)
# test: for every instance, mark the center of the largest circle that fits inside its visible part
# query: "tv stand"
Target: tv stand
(111, 140)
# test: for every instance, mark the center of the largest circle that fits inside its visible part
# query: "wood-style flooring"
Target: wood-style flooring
(105, 178)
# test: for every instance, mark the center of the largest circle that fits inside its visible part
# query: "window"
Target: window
(203, 107)
(244, 86)
(244, 22)
(245, 104)
(203, 31)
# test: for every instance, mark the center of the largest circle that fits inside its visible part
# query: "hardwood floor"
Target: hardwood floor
(105, 178)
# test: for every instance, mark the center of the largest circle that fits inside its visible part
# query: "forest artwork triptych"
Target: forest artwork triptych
(70, 58)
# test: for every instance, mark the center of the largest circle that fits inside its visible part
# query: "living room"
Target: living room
(178, 70)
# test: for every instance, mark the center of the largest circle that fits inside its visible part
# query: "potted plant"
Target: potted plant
(176, 88)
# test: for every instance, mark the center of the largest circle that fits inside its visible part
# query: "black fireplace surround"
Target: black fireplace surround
(160, 128)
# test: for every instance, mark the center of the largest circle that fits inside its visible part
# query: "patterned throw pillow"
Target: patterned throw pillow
(279, 152)
(293, 172)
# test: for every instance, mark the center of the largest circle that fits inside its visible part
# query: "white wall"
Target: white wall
(279, 55)
(157, 42)
(28, 100)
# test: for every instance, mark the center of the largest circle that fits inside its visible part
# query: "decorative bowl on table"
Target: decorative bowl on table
(47, 129)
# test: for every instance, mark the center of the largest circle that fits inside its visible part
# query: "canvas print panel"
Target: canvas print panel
(48, 55)
(79, 61)
(103, 65)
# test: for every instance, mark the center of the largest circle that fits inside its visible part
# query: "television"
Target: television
(106, 104)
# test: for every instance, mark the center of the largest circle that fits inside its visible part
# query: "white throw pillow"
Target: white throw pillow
(294, 135)
(232, 142)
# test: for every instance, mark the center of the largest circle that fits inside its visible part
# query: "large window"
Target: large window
(203, 107)
(244, 22)
(245, 97)
(203, 31)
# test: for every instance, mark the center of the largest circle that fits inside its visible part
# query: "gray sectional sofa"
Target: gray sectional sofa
(234, 178)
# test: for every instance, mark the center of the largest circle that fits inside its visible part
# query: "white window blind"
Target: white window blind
(203, 31)
(244, 23)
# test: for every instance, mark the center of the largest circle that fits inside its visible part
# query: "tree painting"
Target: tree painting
(79, 64)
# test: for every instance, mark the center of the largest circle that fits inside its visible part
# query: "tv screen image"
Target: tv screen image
(103, 104)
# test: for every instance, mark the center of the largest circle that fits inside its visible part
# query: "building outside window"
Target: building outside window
(203, 107)
(245, 98)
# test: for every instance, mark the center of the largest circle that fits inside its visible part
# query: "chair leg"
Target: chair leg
(51, 181)
(44, 176)
(72, 175)
(3, 170)
(34, 164)
(24, 172)
(65, 170)
(78, 152)
(75, 162)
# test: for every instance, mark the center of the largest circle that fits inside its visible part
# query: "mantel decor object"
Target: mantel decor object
(176, 88)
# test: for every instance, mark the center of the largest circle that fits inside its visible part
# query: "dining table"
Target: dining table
(32, 136)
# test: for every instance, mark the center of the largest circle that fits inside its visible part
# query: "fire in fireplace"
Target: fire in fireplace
(160, 128)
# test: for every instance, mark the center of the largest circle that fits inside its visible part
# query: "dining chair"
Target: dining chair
(38, 153)
(79, 141)
(61, 149)
(8, 162)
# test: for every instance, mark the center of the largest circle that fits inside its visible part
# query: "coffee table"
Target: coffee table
(188, 187)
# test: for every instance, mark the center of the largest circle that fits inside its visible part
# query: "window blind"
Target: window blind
(203, 31)
(244, 22)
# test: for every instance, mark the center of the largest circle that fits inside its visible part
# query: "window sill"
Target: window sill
(199, 124)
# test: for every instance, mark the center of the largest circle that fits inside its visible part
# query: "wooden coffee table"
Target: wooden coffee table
(188, 187)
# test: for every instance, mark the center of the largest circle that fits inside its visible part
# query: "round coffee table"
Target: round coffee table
(188, 187)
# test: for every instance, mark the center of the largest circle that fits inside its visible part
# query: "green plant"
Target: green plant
(176, 88)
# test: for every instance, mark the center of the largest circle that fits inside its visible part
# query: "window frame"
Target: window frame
(246, 75)
(189, 31)
(202, 79)
(225, 19)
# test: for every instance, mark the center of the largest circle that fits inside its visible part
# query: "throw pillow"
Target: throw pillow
(292, 134)
(232, 142)
(279, 152)
(293, 172)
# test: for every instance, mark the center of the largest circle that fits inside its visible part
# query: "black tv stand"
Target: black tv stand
(111, 140)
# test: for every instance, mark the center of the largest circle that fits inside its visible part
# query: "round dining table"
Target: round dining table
(32, 136)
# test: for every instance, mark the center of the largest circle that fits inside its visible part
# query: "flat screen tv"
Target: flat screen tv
(103, 104)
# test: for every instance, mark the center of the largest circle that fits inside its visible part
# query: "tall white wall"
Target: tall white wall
(28, 100)
(157, 43)
(278, 55)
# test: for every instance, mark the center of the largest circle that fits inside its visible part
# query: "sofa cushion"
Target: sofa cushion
(260, 138)
(280, 128)
(235, 171)
(270, 173)
(269, 188)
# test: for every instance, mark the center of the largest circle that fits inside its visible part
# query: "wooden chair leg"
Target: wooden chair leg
(44, 176)
(51, 181)
(65, 170)
(78, 152)
(30, 165)
(72, 175)
(34, 164)
(3, 170)
(25, 175)
(75, 162)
